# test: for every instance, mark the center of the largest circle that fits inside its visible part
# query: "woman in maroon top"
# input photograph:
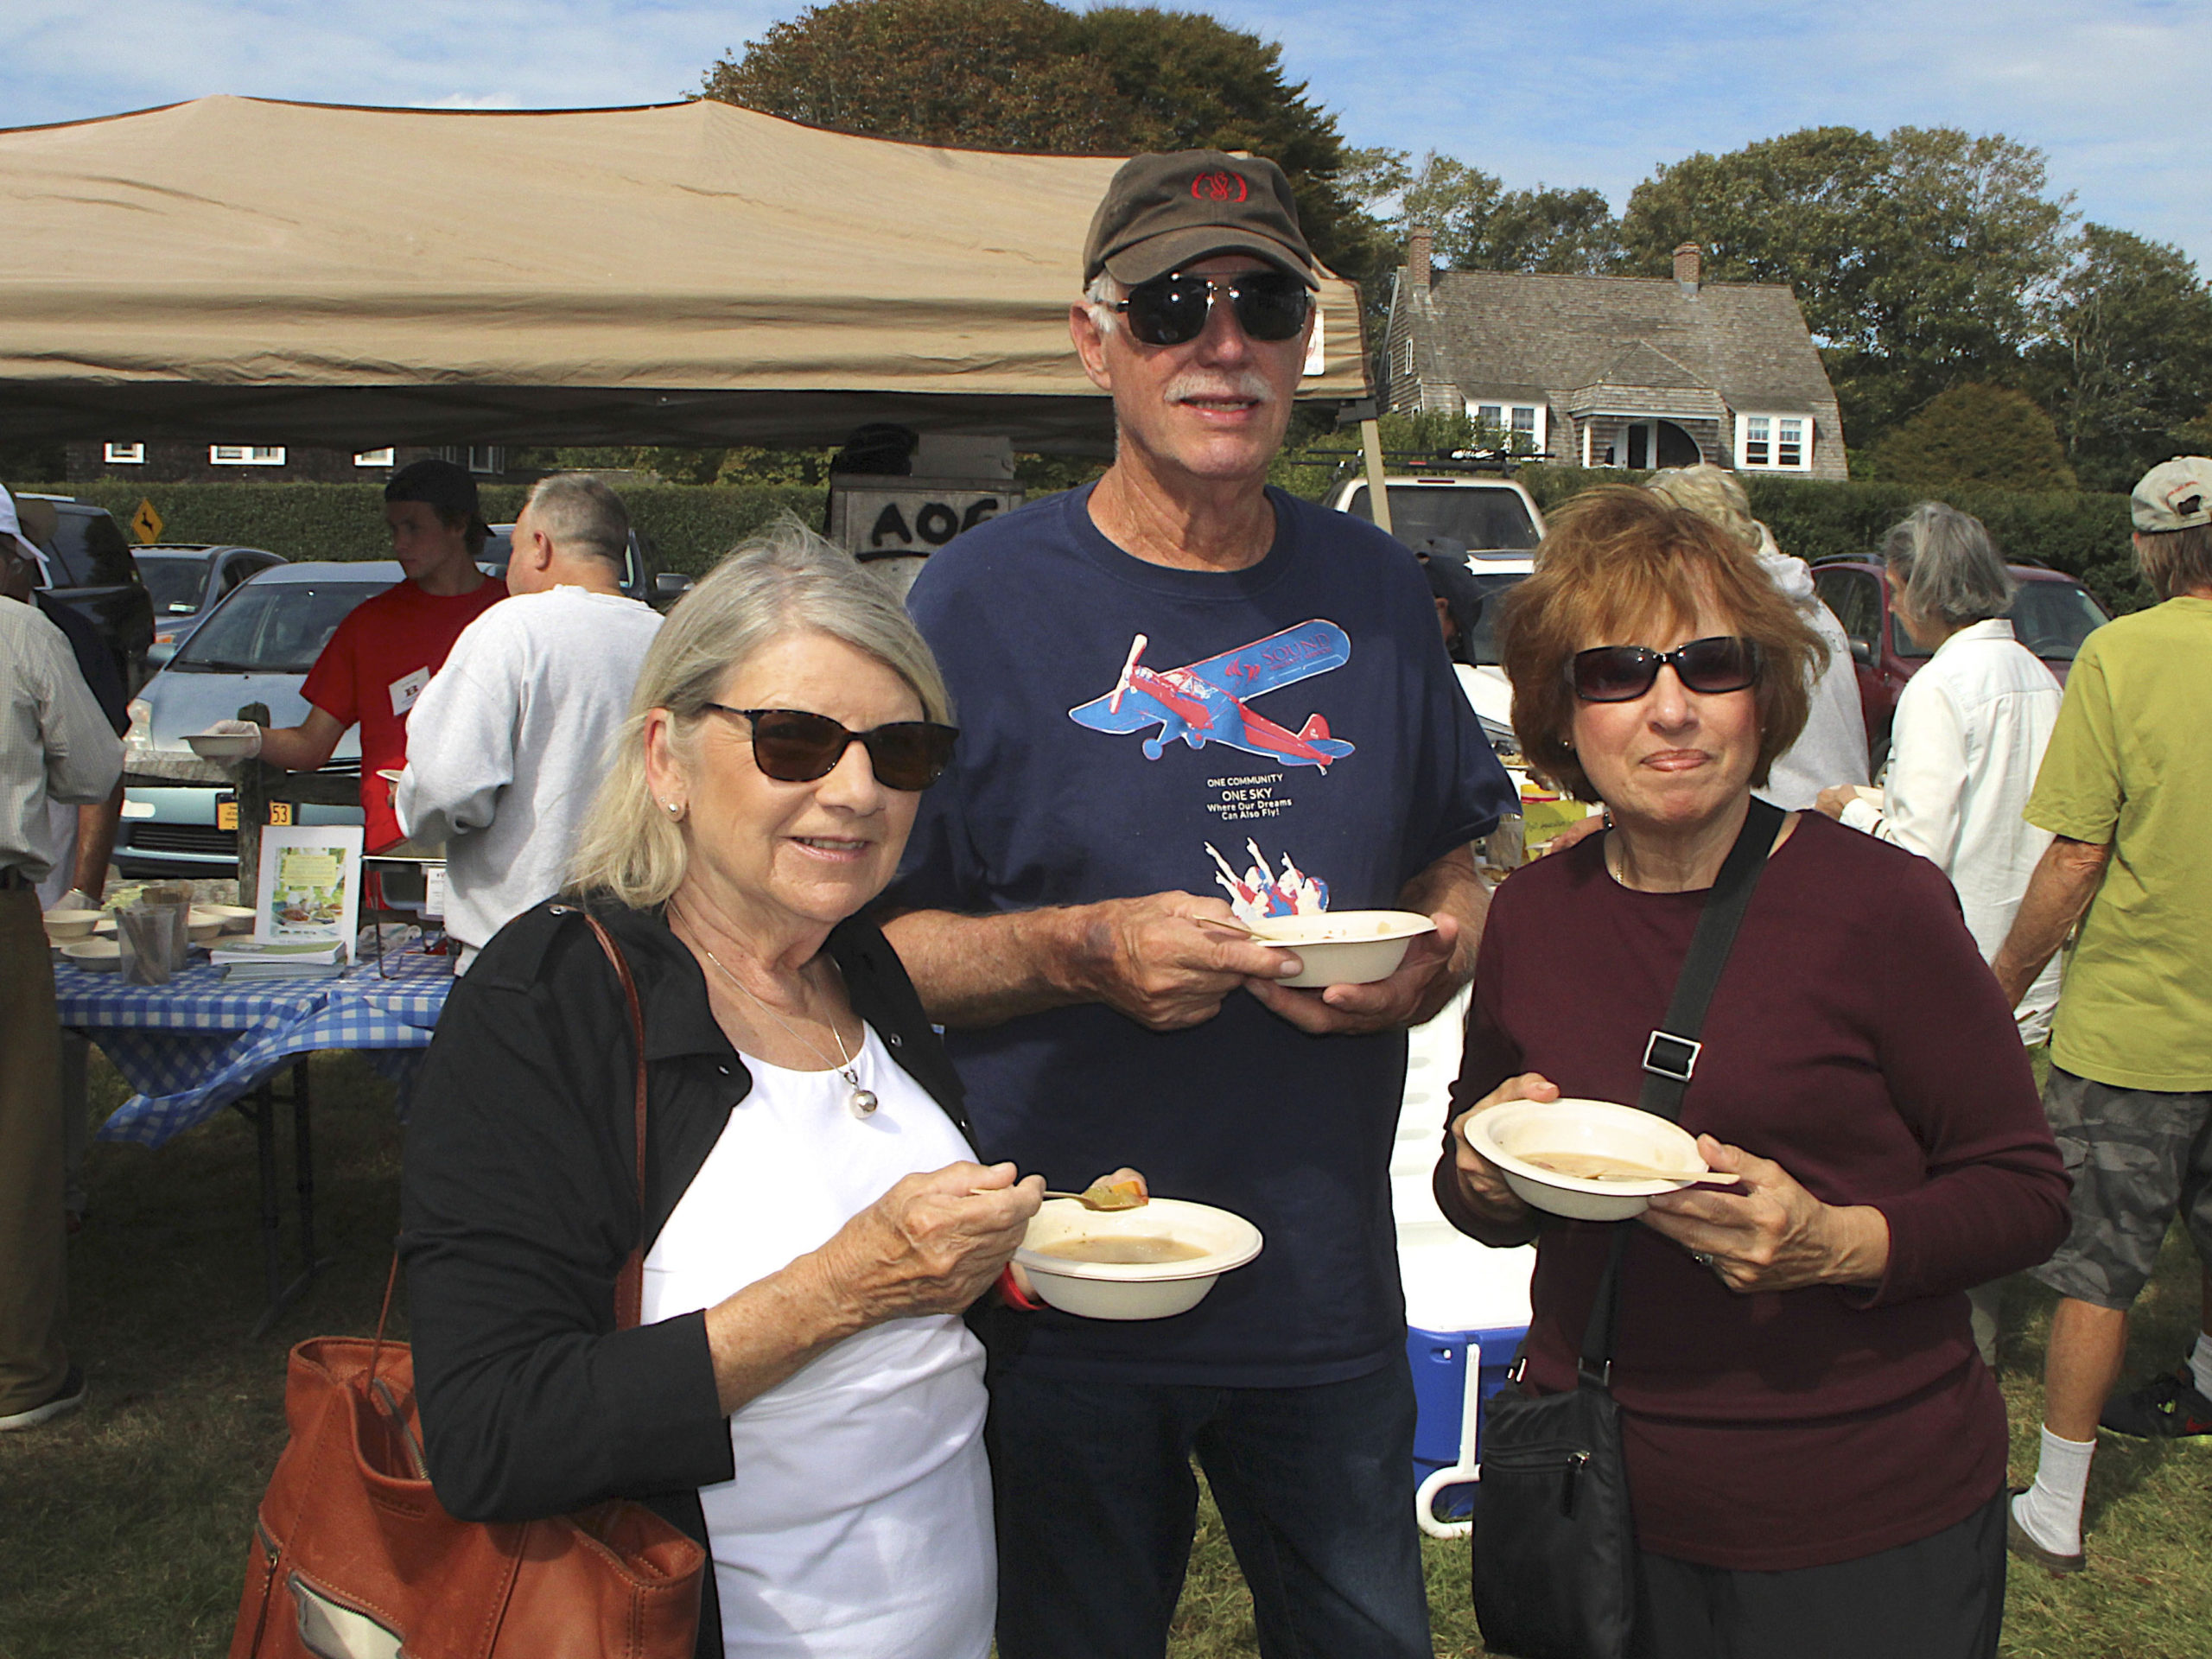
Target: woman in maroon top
(1815, 1452)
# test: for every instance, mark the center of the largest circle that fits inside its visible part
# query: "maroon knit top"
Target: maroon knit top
(1858, 1039)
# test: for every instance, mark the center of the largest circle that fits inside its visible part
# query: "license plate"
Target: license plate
(226, 812)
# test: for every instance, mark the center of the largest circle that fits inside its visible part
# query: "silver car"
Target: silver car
(257, 647)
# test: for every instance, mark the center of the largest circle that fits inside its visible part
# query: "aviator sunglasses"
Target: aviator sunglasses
(1623, 673)
(794, 746)
(1270, 305)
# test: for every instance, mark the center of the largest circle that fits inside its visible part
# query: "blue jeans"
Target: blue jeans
(1097, 1505)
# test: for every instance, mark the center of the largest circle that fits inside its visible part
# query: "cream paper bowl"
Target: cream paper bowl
(1504, 1134)
(235, 919)
(94, 956)
(1344, 947)
(62, 925)
(1134, 1290)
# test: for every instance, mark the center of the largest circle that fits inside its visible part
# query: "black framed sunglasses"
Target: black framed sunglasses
(794, 746)
(1623, 673)
(1270, 305)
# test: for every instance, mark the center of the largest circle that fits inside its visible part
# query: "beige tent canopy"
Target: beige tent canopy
(244, 270)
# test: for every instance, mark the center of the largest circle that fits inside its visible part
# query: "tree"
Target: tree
(2126, 356)
(1478, 224)
(1975, 434)
(1918, 258)
(1030, 75)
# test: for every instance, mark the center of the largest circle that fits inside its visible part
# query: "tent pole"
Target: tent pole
(1370, 441)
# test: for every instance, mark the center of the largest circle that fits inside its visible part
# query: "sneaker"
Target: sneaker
(2017, 1540)
(2164, 1408)
(66, 1398)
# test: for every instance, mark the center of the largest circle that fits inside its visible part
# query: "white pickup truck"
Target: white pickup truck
(1450, 512)
(1495, 525)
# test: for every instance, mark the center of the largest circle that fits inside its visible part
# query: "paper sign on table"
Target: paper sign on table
(310, 885)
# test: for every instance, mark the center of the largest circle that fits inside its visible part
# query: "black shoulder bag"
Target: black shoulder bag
(1554, 1548)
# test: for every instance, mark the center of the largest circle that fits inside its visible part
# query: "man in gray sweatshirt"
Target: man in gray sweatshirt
(507, 745)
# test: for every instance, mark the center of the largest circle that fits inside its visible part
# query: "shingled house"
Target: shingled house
(1616, 371)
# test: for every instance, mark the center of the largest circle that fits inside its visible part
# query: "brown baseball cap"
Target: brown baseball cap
(1165, 211)
(2174, 494)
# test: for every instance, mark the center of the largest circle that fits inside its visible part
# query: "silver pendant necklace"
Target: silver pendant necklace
(862, 1101)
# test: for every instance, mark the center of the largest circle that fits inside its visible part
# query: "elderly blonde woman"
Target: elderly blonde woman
(1832, 747)
(800, 1395)
(1815, 1455)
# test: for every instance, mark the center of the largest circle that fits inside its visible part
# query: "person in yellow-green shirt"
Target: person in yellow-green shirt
(2125, 787)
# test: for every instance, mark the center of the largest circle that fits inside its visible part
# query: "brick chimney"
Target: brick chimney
(1687, 260)
(1421, 254)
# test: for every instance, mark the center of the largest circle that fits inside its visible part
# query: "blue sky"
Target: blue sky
(1574, 92)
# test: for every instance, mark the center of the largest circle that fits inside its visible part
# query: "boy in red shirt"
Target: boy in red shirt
(383, 654)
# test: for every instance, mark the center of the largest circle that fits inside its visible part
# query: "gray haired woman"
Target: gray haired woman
(799, 1395)
(1970, 728)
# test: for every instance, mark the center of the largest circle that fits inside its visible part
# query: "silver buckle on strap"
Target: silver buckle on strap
(1668, 1056)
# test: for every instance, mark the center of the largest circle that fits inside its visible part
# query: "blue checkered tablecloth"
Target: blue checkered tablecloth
(194, 1046)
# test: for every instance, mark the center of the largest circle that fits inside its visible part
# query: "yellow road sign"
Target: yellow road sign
(147, 522)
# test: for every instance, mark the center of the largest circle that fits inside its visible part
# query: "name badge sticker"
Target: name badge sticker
(407, 687)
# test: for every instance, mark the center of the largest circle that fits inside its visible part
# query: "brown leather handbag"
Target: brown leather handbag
(354, 1558)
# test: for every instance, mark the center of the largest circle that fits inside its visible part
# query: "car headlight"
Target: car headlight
(142, 723)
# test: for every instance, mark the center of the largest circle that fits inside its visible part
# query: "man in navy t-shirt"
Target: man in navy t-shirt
(1180, 691)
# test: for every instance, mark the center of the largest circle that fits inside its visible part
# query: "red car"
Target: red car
(2052, 616)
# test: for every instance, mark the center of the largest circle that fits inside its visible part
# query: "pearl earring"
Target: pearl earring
(673, 809)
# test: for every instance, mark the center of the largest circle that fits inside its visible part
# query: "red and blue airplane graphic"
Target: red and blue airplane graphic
(1205, 702)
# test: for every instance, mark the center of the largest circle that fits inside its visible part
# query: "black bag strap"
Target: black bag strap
(1671, 1056)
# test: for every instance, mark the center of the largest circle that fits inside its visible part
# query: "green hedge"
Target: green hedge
(2084, 535)
(692, 525)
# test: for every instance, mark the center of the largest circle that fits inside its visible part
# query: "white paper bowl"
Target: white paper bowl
(62, 925)
(204, 933)
(95, 955)
(235, 919)
(220, 745)
(104, 928)
(1344, 947)
(1134, 1290)
(1504, 1133)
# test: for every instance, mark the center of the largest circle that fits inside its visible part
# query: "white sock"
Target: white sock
(2200, 1364)
(2050, 1510)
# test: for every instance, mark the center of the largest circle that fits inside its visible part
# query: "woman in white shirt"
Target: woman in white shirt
(797, 1391)
(1969, 735)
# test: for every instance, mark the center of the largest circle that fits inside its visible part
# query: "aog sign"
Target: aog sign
(896, 523)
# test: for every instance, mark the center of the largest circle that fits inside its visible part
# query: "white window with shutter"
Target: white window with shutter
(245, 454)
(124, 455)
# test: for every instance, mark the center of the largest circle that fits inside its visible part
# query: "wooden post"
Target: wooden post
(252, 779)
(1370, 441)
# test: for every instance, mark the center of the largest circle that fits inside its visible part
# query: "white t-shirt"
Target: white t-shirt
(1970, 728)
(859, 1525)
(508, 743)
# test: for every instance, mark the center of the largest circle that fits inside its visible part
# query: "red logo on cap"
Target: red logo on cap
(1219, 186)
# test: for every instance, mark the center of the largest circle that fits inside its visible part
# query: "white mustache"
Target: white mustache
(1194, 383)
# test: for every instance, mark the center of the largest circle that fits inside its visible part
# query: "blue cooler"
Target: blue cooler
(1439, 1361)
(1461, 1297)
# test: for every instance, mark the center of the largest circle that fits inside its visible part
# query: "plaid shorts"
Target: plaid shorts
(2136, 1156)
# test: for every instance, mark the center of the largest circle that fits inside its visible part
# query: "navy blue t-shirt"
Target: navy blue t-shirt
(1302, 710)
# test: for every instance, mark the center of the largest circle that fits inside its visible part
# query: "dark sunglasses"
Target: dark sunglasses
(1270, 305)
(794, 746)
(1623, 673)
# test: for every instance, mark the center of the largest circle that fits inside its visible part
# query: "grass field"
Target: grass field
(124, 1529)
